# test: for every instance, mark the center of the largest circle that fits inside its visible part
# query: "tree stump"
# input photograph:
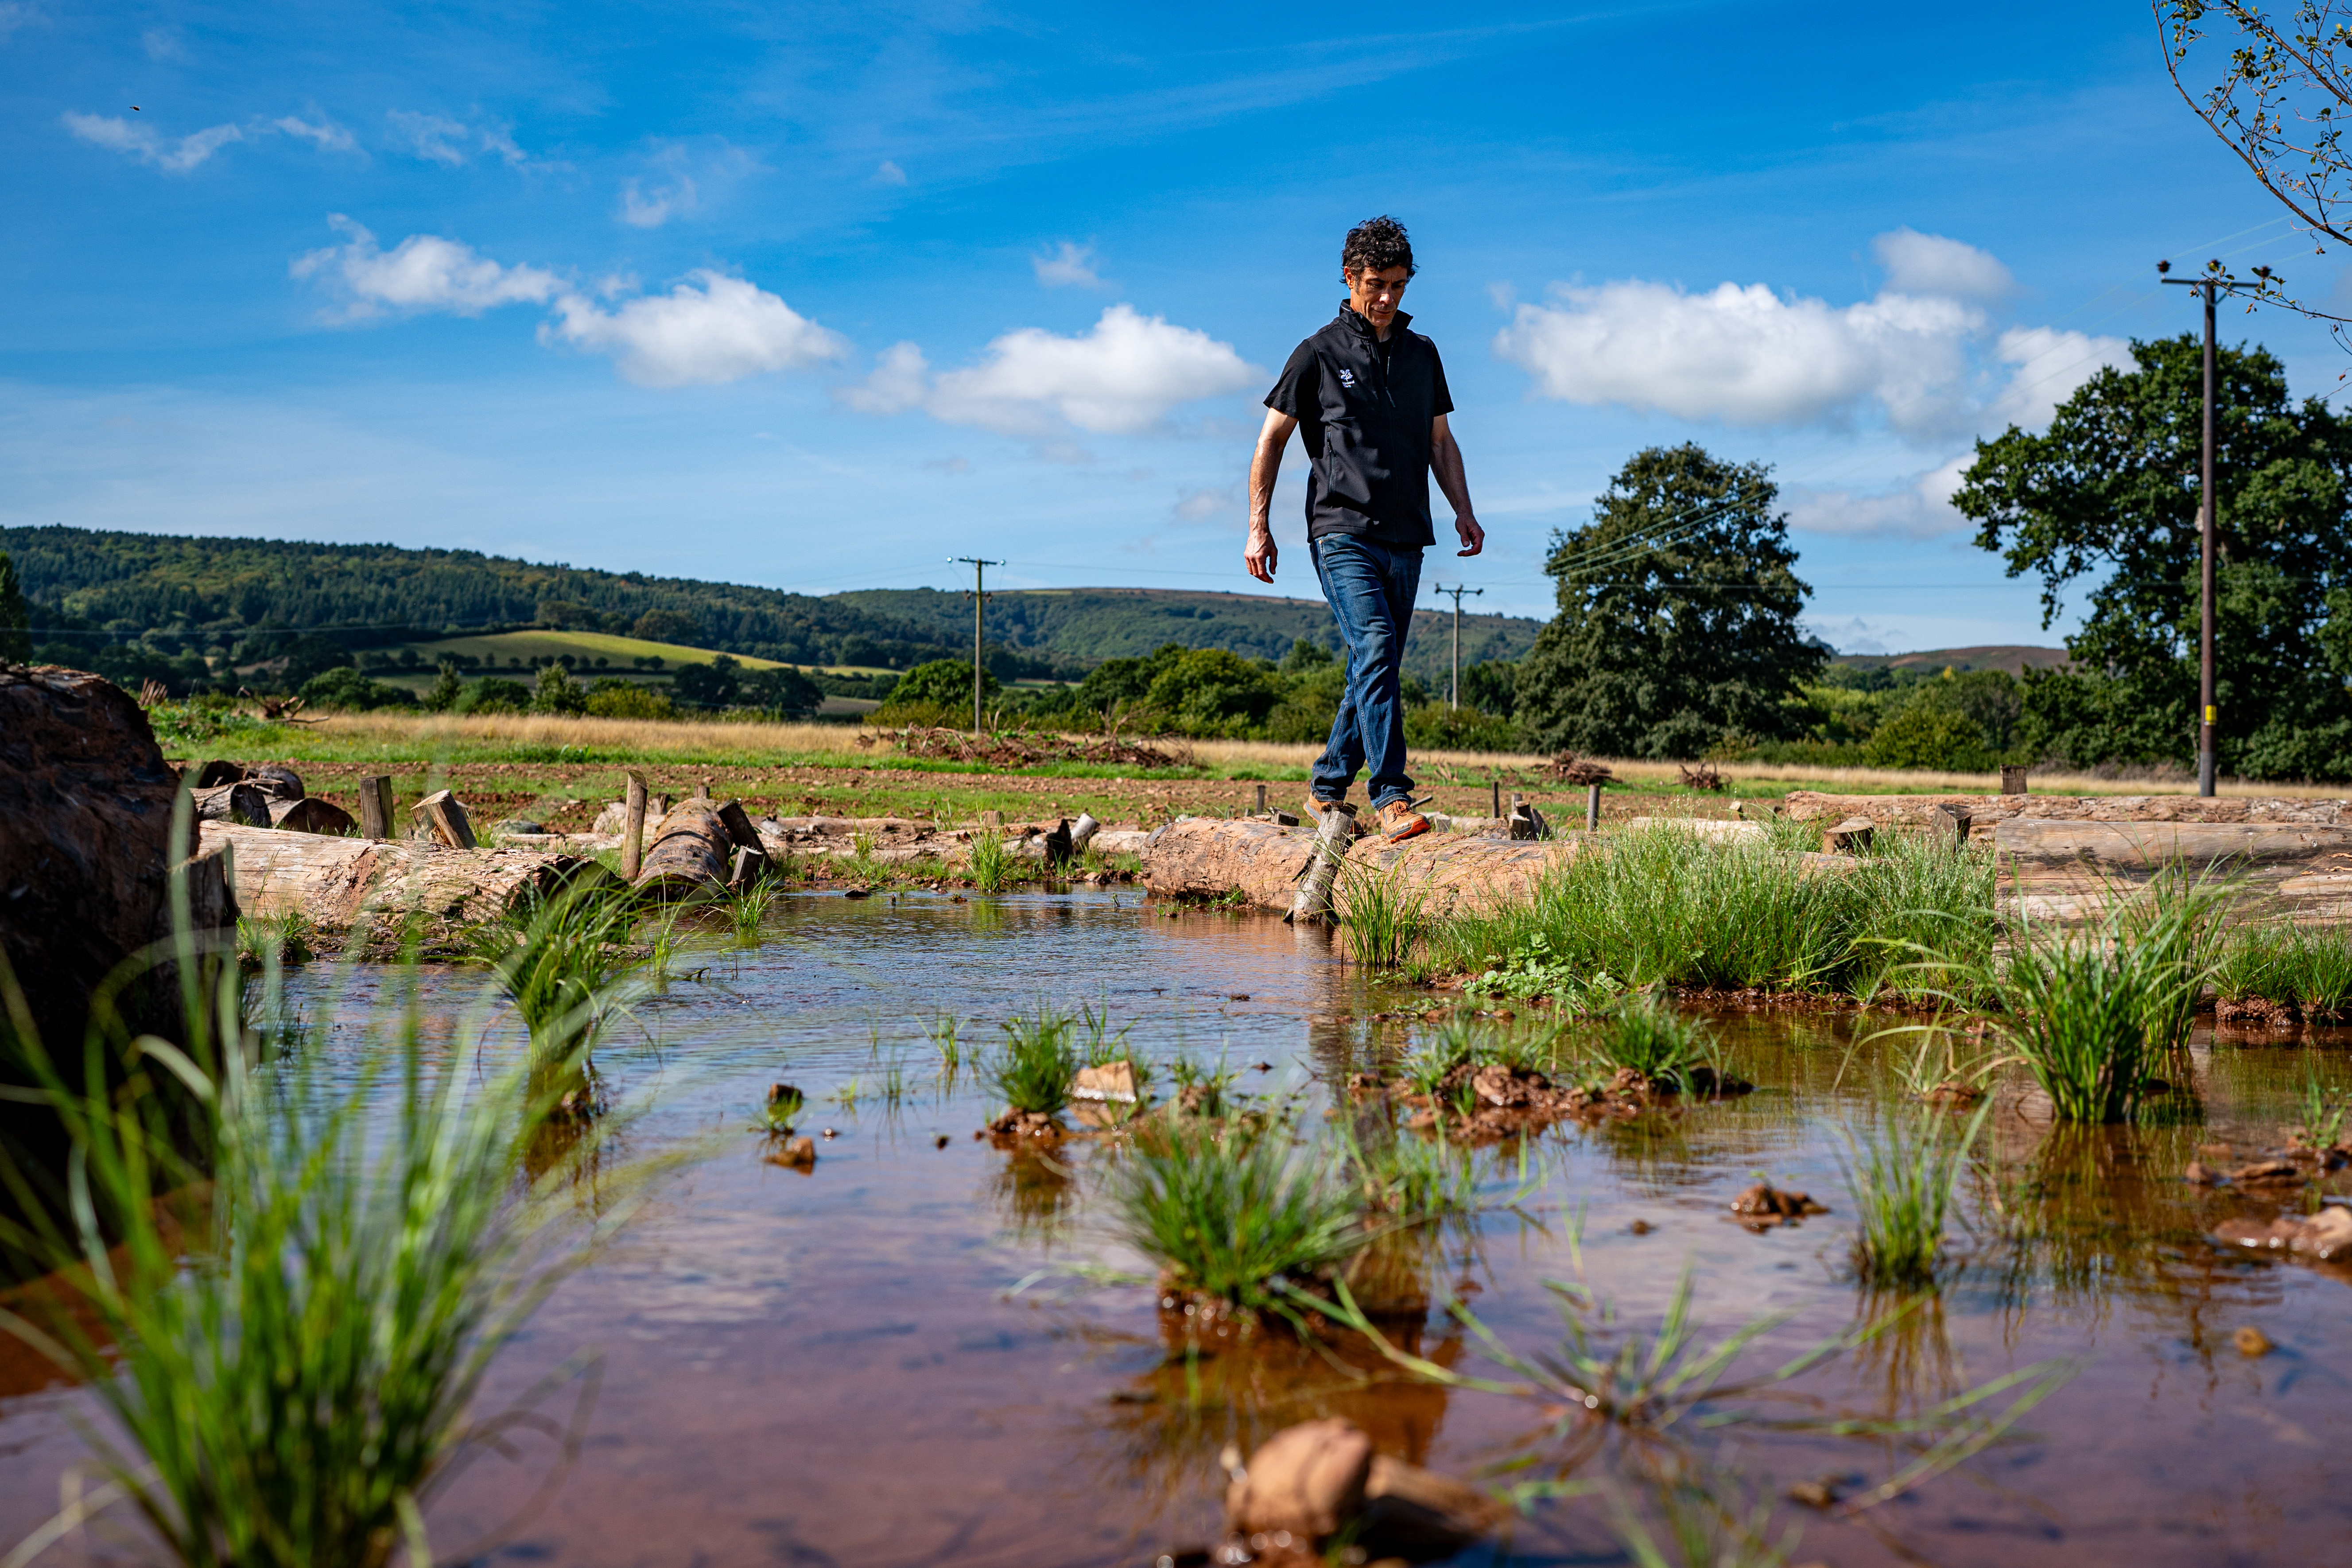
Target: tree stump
(375, 807)
(1850, 836)
(447, 818)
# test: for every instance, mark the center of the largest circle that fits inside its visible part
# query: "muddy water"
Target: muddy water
(834, 1368)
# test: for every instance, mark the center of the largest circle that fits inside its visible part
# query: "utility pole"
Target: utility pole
(979, 600)
(2211, 285)
(1453, 689)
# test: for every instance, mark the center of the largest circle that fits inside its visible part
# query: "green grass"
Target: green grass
(1386, 917)
(558, 959)
(2076, 1008)
(2322, 1122)
(1229, 1214)
(991, 863)
(1645, 1034)
(1667, 908)
(745, 910)
(286, 939)
(1902, 1174)
(1033, 1070)
(2309, 968)
(289, 1372)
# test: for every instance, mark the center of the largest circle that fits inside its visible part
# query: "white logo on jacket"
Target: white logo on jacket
(1347, 376)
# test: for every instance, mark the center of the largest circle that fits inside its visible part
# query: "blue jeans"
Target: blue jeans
(1371, 589)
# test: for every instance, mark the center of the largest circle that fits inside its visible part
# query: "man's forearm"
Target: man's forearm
(1265, 466)
(1446, 462)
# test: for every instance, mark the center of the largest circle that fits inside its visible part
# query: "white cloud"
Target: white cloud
(1744, 355)
(1213, 503)
(707, 330)
(1068, 266)
(133, 140)
(1925, 355)
(162, 44)
(1923, 510)
(949, 465)
(2051, 366)
(888, 173)
(644, 210)
(901, 380)
(326, 135)
(422, 272)
(16, 14)
(1126, 375)
(1929, 264)
(429, 136)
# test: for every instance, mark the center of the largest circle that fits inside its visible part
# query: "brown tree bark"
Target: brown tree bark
(693, 854)
(368, 887)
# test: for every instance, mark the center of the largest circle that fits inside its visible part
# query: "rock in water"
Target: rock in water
(1307, 1480)
(1112, 1081)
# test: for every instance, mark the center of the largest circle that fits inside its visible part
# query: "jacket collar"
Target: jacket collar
(1363, 329)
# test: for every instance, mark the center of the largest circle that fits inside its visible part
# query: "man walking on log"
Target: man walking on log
(1368, 398)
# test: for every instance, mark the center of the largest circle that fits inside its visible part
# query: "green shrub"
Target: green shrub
(1920, 736)
(347, 689)
(1649, 1037)
(626, 699)
(1437, 728)
(1034, 1070)
(557, 692)
(489, 694)
(937, 692)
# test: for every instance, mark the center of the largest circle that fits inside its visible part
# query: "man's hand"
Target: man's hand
(1259, 556)
(1474, 538)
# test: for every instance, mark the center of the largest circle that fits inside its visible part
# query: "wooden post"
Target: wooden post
(442, 813)
(1497, 784)
(375, 807)
(1082, 829)
(1261, 797)
(1313, 899)
(660, 805)
(633, 831)
(739, 827)
(705, 791)
(2012, 780)
(750, 868)
(1058, 852)
(1948, 826)
(1593, 808)
(1850, 836)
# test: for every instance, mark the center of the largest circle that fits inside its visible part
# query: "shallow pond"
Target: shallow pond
(835, 1367)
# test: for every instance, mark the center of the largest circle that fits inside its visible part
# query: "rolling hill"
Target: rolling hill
(249, 600)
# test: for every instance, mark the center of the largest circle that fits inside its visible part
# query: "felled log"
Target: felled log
(1985, 812)
(693, 854)
(237, 802)
(86, 802)
(2073, 873)
(310, 815)
(1204, 857)
(371, 886)
(274, 779)
(1849, 837)
(1714, 829)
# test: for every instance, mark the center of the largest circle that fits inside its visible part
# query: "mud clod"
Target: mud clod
(1762, 1206)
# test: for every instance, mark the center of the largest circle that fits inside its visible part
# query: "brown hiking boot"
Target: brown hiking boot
(1400, 822)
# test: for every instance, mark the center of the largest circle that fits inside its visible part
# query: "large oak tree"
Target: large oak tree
(1678, 624)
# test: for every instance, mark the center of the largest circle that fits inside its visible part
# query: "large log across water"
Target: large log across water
(1207, 858)
(694, 852)
(368, 887)
(2073, 873)
(1985, 812)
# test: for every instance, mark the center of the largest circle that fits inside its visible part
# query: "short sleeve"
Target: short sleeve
(1441, 400)
(1298, 391)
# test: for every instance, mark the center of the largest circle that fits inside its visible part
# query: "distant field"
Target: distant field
(620, 653)
(2015, 658)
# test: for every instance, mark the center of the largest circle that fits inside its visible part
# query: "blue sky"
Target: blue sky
(818, 297)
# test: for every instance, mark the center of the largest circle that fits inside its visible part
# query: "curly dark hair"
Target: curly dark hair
(1376, 245)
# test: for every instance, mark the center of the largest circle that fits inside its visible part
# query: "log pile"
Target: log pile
(368, 888)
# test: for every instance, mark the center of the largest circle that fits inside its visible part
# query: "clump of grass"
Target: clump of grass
(991, 863)
(1647, 1035)
(1386, 917)
(1704, 1529)
(944, 1032)
(1200, 1090)
(291, 1371)
(2079, 1009)
(745, 910)
(2308, 968)
(286, 939)
(1232, 1214)
(1902, 1174)
(1414, 1181)
(846, 1096)
(557, 959)
(1033, 1070)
